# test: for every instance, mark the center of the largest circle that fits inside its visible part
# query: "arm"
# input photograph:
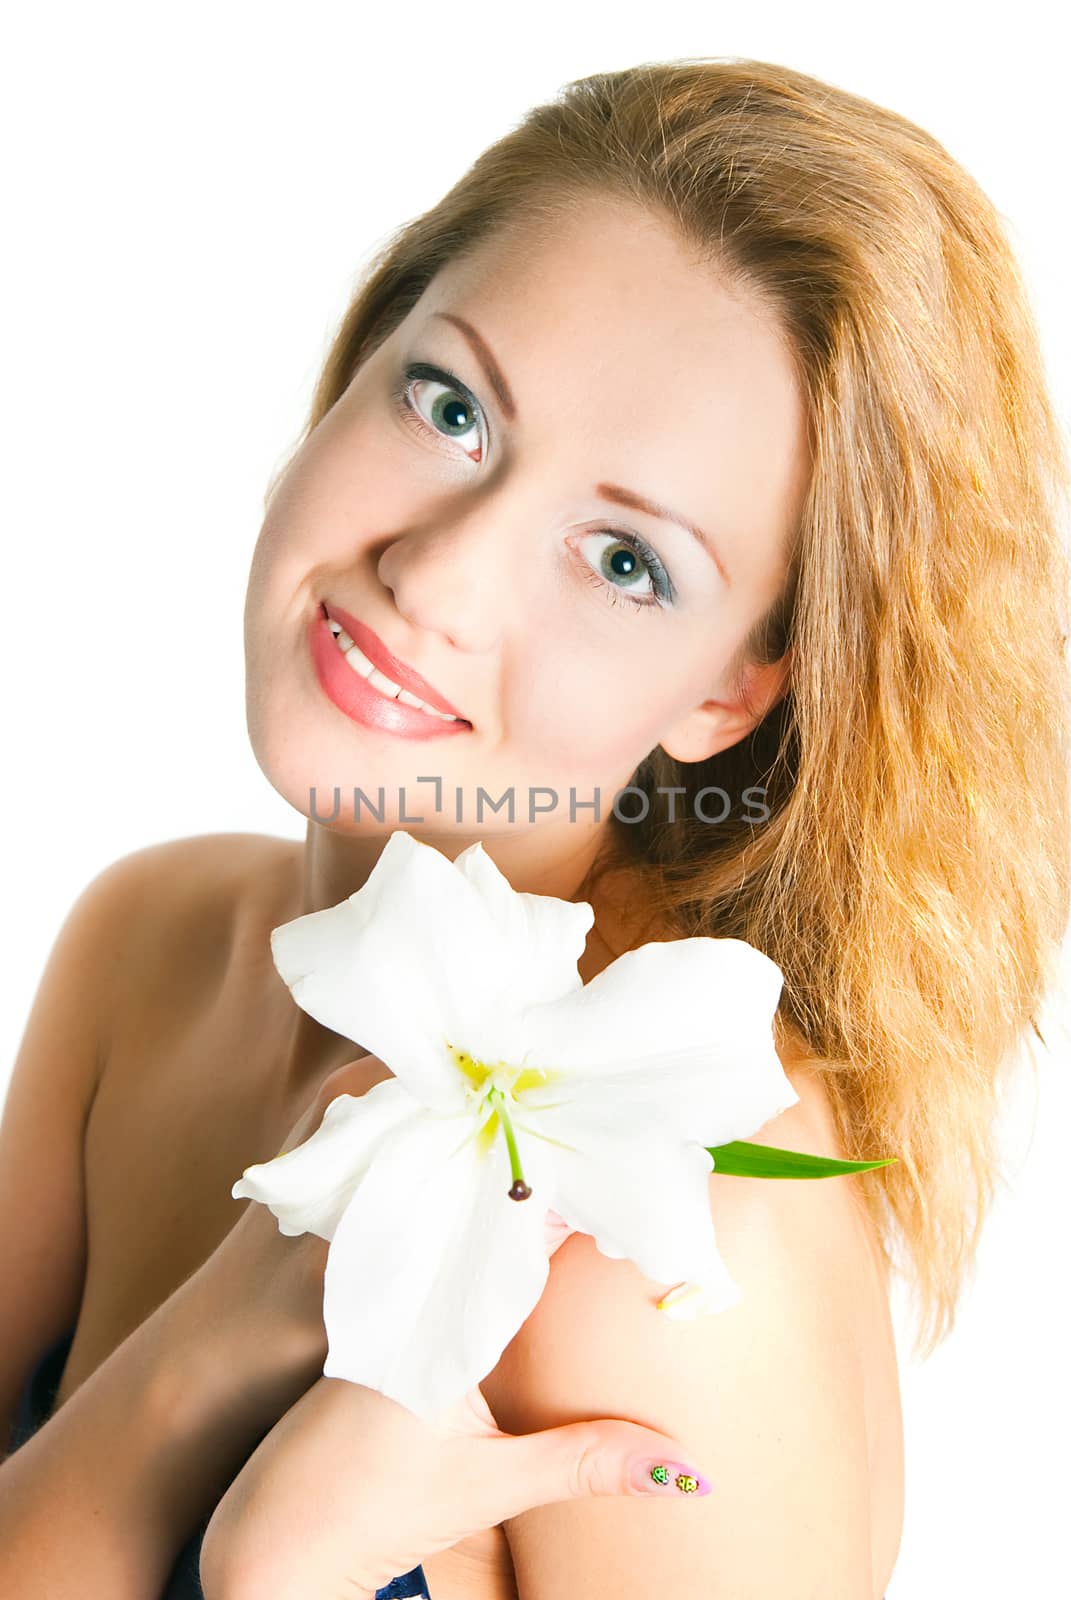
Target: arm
(104, 951)
(767, 1399)
(43, 1235)
(101, 1499)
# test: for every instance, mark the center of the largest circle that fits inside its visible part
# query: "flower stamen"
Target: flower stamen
(486, 1085)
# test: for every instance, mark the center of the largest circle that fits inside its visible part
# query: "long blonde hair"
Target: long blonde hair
(911, 878)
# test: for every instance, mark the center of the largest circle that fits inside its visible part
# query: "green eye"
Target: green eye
(626, 563)
(452, 414)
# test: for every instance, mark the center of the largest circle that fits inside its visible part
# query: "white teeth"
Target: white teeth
(377, 679)
(364, 669)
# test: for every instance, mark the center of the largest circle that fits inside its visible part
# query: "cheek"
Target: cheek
(591, 698)
(344, 486)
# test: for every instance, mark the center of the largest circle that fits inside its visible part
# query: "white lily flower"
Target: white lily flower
(517, 1089)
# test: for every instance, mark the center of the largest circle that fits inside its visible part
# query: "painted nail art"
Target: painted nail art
(674, 1477)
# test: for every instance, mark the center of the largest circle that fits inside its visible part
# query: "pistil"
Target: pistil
(519, 1189)
(477, 1074)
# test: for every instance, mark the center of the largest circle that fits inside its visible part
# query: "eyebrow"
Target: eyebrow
(606, 491)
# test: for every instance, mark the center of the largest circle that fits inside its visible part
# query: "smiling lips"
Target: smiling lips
(373, 657)
(372, 686)
(364, 668)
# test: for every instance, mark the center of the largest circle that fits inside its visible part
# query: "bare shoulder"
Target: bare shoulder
(182, 901)
(182, 870)
(767, 1399)
(187, 867)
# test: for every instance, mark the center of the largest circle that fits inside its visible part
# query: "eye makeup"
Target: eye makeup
(661, 593)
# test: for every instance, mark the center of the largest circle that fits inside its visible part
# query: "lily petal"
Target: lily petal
(542, 937)
(308, 1188)
(403, 965)
(432, 1247)
(645, 1198)
(675, 1033)
(668, 1050)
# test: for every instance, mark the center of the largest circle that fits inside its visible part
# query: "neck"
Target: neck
(545, 860)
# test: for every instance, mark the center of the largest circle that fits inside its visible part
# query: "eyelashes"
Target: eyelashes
(419, 371)
(661, 593)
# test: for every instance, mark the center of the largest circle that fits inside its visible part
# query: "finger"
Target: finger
(473, 1416)
(583, 1459)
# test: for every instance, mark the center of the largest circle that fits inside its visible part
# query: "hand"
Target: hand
(350, 1489)
(267, 1287)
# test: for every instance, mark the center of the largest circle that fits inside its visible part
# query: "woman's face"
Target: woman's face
(485, 499)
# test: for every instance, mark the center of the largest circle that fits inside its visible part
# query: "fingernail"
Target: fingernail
(669, 1477)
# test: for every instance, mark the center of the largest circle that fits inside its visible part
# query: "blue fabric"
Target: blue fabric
(34, 1410)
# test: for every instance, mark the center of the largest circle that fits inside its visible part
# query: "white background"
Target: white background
(189, 196)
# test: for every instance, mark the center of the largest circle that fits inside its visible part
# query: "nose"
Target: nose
(448, 577)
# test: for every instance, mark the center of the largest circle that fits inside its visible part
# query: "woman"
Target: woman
(697, 442)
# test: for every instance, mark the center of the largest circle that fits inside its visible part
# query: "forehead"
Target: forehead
(614, 335)
(612, 276)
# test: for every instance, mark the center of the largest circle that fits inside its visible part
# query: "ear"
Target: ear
(717, 724)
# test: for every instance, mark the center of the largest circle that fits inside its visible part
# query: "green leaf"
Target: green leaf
(743, 1160)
